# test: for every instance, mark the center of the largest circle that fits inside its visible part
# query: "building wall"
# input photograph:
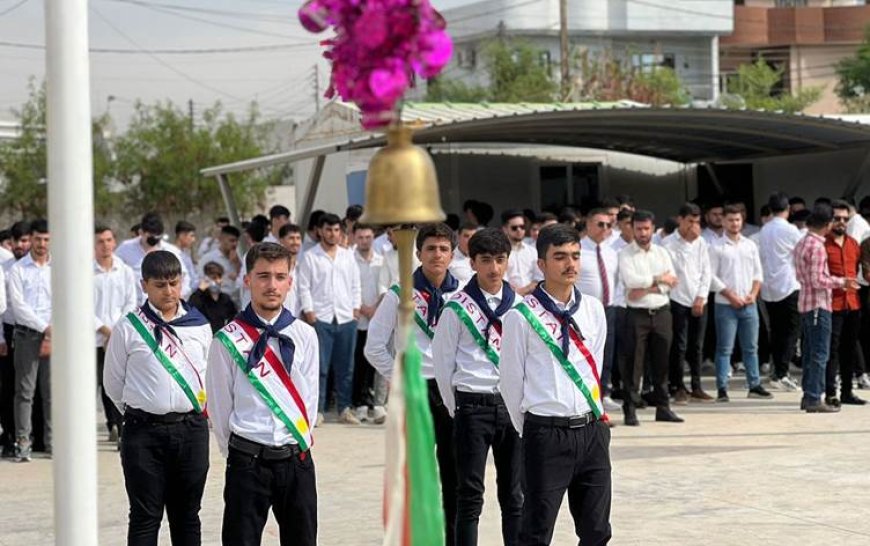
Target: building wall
(813, 66)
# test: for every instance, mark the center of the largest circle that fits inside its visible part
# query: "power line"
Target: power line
(181, 51)
(13, 7)
(281, 18)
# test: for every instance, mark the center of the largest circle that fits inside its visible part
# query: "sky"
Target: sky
(153, 31)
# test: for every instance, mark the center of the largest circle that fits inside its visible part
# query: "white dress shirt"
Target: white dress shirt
(8, 315)
(6, 255)
(619, 297)
(291, 301)
(389, 274)
(776, 246)
(369, 273)
(589, 280)
(30, 293)
(858, 228)
(190, 267)
(133, 377)
(114, 295)
(207, 244)
(459, 362)
(735, 265)
(329, 286)
(637, 267)
(531, 379)
(3, 299)
(132, 253)
(522, 266)
(382, 243)
(692, 263)
(229, 286)
(460, 267)
(711, 236)
(234, 406)
(380, 349)
(270, 238)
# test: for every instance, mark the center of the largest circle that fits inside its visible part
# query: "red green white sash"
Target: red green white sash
(173, 359)
(473, 318)
(584, 374)
(421, 310)
(270, 379)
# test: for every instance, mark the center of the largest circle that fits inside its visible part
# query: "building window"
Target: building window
(648, 62)
(791, 3)
(467, 58)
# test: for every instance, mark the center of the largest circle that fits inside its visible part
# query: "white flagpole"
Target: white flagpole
(71, 222)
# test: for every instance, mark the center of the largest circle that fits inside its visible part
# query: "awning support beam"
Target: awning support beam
(313, 185)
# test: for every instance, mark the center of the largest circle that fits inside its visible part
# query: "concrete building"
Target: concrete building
(806, 38)
(680, 34)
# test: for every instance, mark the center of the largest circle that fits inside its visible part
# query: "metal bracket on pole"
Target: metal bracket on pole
(311, 190)
(855, 183)
(229, 200)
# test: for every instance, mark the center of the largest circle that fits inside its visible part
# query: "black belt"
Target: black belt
(27, 329)
(651, 312)
(479, 398)
(267, 453)
(578, 421)
(170, 417)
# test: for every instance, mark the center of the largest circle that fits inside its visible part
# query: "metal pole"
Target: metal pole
(714, 66)
(311, 190)
(563, 49)
(71, 219)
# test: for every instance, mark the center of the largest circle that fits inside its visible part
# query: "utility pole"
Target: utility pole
(563, 46)
(316, 88)
(190, 112)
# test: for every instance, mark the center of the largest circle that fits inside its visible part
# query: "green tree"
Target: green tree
(853, 73)
(605, 77)
(515, 73)
(160, 155)
(755, 83)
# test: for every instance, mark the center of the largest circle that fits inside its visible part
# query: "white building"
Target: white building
(681, 34)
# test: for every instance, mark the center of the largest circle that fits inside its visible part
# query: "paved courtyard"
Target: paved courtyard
(748, 473)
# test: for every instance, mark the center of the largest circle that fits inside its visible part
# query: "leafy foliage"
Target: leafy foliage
(853, 86)
(605, 77)
(755, 83)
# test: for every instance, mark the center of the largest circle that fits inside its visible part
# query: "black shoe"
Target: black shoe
(759, 392)
(852, 400)
(630, 416)
(636, 400)
(821, 407)
(832, 401)
(665, 415)
(804, 403)
(722, 396)
(648, 399)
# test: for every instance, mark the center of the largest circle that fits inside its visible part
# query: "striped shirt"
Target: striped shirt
(811, 266)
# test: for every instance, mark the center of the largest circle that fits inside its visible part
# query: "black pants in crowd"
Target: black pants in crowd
(559, 459)
(110, 410)
(845, 326)
(363, 374)
(482, 422)
(254, 483)
(785, 326)
(651, 331)
(687, 346)
(165, 462)
(7, 392)
(620, 348)
(445, 452)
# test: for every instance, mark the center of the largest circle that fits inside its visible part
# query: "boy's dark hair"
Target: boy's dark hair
(510, 214)
(452, 221)
(99, 228)
(778, 202)
(715, 204)
(184, 226)
(468, 226)
(689, 209)
(257, 231)
(671, 225)
(314, 219)
(821, 215)
(765, 210)
(642, 215)
(624, 214)
(222, 220)
(329, 219)
(796, 200)
(353, 213)
(800, 216)
(625, 199)
(599, 211)
(271, 252)
(359, 226)
(823, 201)
(151, 223)
(278, 211)
(20, 229)
(439, 231)
(39, 226)
(231, 230)
(213, 268)
(546, 216)
(5, 235)
(287, 229)
(161, 265)
(490, 241)
(555, 235)
(609, 203)
(260, 219)
(839, 204)
(482, 211)
(733, 209)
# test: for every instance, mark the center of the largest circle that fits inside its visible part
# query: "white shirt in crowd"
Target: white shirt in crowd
(711, 236)
(8, 315)
(6, 255)
(207, 244)
(369, 272)
(291, 301)
(460, 267)
(459, 362)
(735, 265)
(229, 286)
(776, 248)
(132, 253)
(270, 238)
(382, 243)
(235, 407)
(389, 274)
(133, 377)
(190, 267)
(692, 264)
(637, 267)
(3, 299)
(619, 296)
(858, 228)
(114, 295)
(329, 286)
(29, 293)
(522, 266)
(589, 281)
(531, 379)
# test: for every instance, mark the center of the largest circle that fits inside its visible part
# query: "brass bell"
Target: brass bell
(401, 184)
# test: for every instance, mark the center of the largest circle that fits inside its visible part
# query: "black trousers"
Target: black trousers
(110, 410)
(253, 485)
(845, 326)
(7, 391)
(165, 467)
(363, 374)
(621, 346)
(785, 327)
(650, 334)
(446, 454)
(687, 346)
(482, 422)
(564, 459)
